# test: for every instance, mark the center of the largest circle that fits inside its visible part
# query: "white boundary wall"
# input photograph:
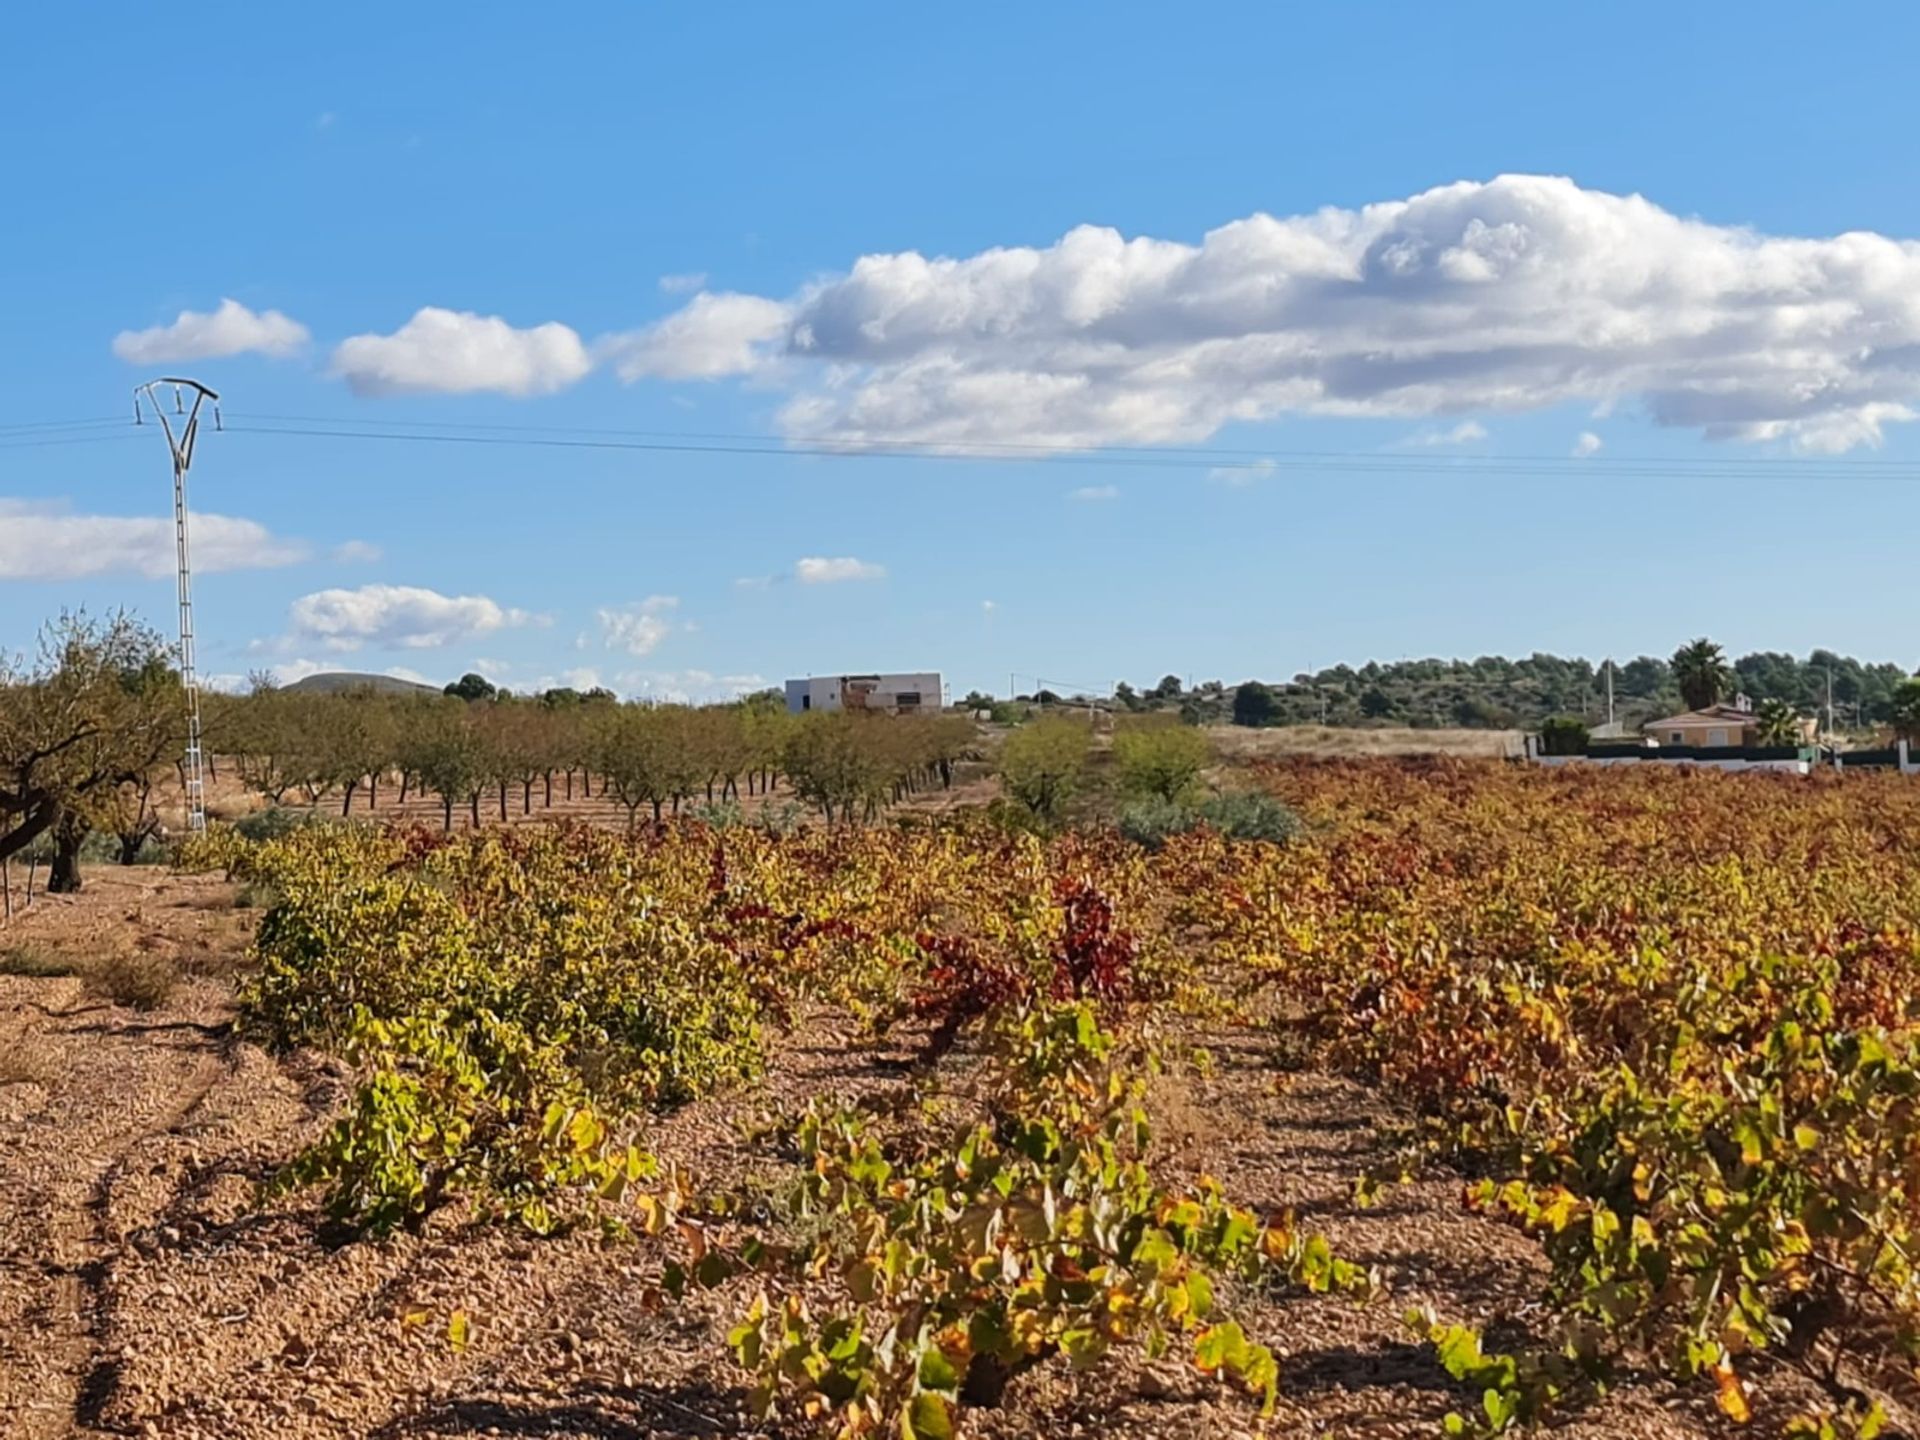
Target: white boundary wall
(1909, 763)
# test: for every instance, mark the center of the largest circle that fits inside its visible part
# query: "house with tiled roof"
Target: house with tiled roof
(1716, 725)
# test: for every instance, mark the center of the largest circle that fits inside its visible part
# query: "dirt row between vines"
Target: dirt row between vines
(143, 1290)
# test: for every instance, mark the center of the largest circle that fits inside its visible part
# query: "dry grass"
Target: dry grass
(34, 962)
(1238, 745)
(138, 979)
(26, 1061)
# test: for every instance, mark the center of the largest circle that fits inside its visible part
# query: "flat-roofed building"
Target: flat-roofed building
(888, 694)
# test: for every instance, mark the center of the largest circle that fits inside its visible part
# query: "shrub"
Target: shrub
(273, 823)
(1250, 815)
(34, 961)
(138, 979)
(1563, 735)
(721, 814)
(1149, 821)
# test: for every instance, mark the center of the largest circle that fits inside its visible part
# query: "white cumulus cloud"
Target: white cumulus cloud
(406, 617)
(820, 570)
(232, 329)
(40, 541)
(710, 337)
(1588, 444)
(457, 352)
(1512, 294)
(638, 629)
(1245, 474)
(357, 552)
(1465, 433)
(687, 687)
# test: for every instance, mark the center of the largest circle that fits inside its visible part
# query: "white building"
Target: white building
(887, 694)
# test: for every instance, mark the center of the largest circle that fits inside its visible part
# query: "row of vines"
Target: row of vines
(1663, 1023)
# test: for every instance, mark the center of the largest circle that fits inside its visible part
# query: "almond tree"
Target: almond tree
(444, 753)
(99, 709)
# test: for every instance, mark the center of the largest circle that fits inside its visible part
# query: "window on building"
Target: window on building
(806, 702)
(907, 699)
(1676, 738)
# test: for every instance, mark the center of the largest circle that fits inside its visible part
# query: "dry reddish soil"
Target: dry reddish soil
(143, 1291)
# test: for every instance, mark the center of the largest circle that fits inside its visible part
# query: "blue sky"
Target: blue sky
(655, 225)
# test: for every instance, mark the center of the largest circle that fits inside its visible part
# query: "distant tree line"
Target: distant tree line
(93, 727)
(1494, 692)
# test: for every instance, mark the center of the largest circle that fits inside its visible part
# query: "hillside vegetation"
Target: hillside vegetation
(1496, 693)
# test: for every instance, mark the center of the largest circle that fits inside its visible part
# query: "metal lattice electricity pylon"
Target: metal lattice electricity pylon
(180, 442)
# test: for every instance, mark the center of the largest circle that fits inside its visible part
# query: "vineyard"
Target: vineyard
(1491, 1099)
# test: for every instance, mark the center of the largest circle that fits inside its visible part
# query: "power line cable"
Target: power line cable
(63, 424)
(39, 442)
(1253, 459)
(1322, 463)
(1251, 463)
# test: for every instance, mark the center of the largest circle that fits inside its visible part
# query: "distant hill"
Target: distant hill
(334, 682)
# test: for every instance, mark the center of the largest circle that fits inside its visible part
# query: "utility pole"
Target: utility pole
(180, 443)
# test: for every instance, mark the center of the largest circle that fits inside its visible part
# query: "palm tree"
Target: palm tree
(1700, 669)
(1778, 723)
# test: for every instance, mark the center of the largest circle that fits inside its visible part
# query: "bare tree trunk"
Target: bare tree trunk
(569, 782)
(446, 802)
(526, 797)
(6, 888)
(404, 778)
(474, 801)
(373, 789)
(346, 801)
(503, 802)
(64, 876)
(656, 812)
(549, 804)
